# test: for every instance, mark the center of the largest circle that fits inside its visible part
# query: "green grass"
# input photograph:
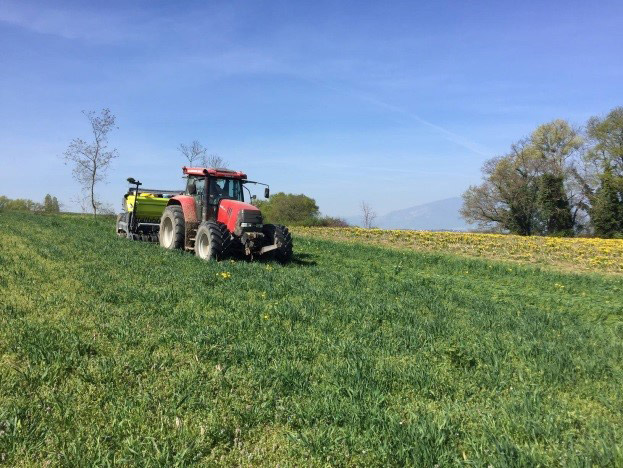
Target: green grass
(118, 352)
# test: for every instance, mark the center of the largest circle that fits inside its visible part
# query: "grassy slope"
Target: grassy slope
(114, 351)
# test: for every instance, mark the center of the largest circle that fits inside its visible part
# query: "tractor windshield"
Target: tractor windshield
(221, 188)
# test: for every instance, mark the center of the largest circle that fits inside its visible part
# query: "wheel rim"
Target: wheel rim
(203, 246)
(167, 232)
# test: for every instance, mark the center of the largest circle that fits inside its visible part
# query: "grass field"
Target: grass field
(571, 254)
(117, 352)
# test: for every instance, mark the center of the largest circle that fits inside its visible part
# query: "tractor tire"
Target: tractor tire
(172, 228)
(213, 241)
(280, 235)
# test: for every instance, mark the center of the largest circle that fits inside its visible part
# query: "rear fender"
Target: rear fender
(191, 221)
(188, 207)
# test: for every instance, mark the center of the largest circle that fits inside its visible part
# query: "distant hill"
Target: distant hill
(441, 215)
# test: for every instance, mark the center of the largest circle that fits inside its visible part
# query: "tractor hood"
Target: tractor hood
(239, 216)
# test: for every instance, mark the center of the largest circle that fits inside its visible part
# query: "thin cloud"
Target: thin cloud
(445, 133)
(97, 27)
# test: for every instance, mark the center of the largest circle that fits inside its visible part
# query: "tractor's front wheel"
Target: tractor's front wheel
(172, 228)
(280, 236)
(212, 241)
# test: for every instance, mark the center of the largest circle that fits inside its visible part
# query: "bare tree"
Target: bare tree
(195, 152)
(91, 160)
(367, 215)
(213, 160)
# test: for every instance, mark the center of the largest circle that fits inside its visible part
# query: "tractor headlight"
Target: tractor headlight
(251, 225)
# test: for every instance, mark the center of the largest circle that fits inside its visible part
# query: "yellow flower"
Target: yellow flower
(224, 274)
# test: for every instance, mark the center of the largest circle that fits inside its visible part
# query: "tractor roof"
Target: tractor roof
(216, 172)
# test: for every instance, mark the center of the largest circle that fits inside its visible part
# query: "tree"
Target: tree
(603, 177)
(607, 206)
(554, 216)
(528, 191)
(367, 215)
(50, 204)
(19, 204)
(506, 199)
(195, 152)
(213, 160)
(606, 139)
(287, 208)
(91, 161)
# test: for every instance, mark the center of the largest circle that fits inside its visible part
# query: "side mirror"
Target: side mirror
(266, 192)
(131, 180)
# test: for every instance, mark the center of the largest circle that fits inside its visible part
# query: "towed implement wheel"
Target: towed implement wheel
(280, 235)
(212, 241)
(172, 228)
(121, 231)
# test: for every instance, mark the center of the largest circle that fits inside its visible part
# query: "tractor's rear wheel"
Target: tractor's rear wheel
(172, 227)
(212, 241)
(280, 235)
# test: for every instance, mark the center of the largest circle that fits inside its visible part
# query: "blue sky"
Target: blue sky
(395, 103)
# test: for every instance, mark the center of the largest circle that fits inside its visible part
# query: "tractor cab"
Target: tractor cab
(209, 190)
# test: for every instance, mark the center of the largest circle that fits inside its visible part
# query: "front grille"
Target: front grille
(250, 216)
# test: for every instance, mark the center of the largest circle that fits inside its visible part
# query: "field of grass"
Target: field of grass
(577, 254)
(117, 352)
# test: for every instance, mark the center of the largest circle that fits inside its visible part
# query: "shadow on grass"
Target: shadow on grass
(302, 259)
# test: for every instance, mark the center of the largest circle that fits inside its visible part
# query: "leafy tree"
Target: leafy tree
(91, 160)
(607, 205)
(603, 179)
(19, 204)
(287, 208)
(50, 204)
(606, 138)
(506, 200)
(525, 191)
(554, 214)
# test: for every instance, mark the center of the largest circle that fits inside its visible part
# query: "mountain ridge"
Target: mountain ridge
(439, 215)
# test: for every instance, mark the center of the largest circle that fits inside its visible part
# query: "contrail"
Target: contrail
(451, 136)
(447, 134)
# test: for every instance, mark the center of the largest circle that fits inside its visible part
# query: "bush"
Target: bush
(296, 210)
(329, 221)
(19, 204)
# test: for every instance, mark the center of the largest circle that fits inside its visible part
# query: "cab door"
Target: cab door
(195, 187)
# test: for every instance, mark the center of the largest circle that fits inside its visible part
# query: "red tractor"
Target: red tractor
(210, 217)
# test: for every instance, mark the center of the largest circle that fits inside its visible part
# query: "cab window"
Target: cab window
(225, 188)
(195, 185)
